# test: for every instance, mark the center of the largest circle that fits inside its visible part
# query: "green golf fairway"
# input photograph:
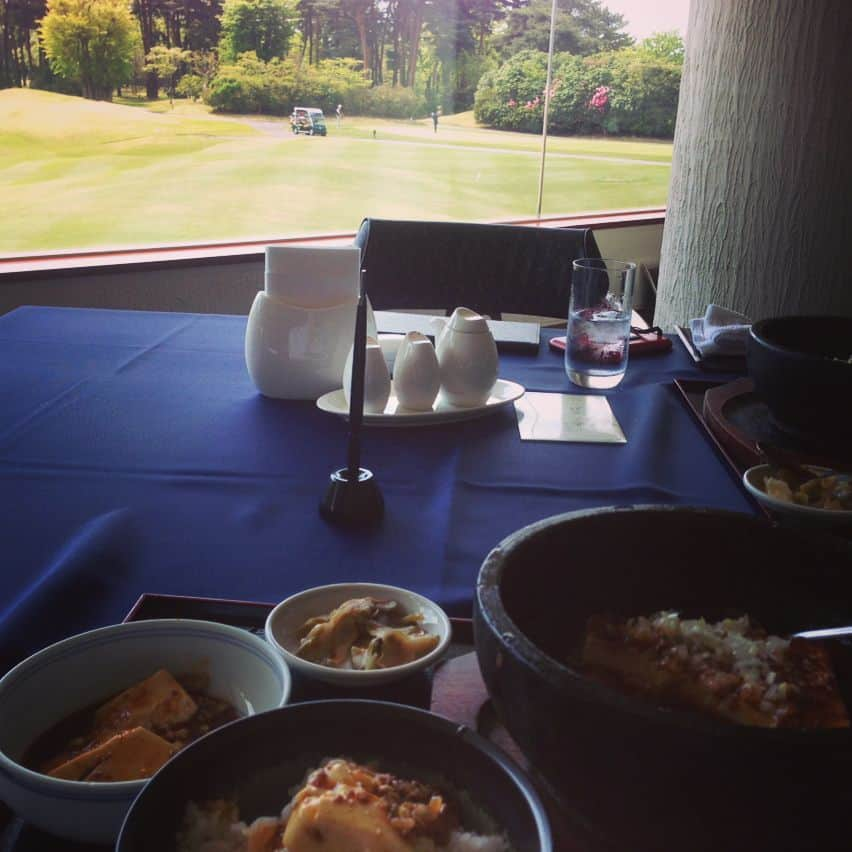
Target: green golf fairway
(84, 174)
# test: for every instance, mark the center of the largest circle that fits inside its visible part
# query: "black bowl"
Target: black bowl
(801, 369)
(666, 774)
(261, 758)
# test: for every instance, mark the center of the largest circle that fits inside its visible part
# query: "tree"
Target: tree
(188, 24)
(582, 27)
(667, 46)
(262, 26)
(203, 64)
(166, 62)
(200, 28)
(455, 53)
(92, 41)
(18, 27)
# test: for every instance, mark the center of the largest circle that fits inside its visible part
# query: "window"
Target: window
(184, 132)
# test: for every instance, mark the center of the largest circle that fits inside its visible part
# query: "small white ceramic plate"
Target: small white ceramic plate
(503, 393)
(753, 480)
(284, 621)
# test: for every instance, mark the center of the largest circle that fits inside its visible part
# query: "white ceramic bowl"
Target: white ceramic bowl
(285, 620)
(753, 480)
(87, 668)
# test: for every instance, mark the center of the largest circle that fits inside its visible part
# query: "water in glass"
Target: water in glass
(596, 351)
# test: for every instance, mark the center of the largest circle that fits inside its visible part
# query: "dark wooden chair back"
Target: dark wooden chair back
(493, 269)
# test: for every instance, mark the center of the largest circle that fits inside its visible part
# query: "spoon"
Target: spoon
(782, 460)
(824, 633)
(788, 461)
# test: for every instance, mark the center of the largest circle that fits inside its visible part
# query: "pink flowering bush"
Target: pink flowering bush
(600, 99)
(616, 92)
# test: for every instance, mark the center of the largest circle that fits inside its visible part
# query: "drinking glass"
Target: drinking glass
(599, 322)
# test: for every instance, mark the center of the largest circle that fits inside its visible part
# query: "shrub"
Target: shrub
(390, 102)
(251, 85)
(231, 91)
(190, 86)
(628, 92)
(511, 98)
(42, 77)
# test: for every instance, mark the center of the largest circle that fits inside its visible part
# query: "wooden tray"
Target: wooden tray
(738, 417)
(734, 420)
(455, 689)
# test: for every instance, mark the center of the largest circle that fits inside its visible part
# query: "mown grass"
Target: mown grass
(76, 173)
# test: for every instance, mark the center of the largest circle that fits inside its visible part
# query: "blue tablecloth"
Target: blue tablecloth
(136, 456)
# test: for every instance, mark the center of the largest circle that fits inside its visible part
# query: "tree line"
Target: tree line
(396, 41)
(394, 57)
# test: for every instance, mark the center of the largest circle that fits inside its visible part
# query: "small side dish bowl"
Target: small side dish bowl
(86, 669)
(258, 762)
(754, 480)
(284, 622)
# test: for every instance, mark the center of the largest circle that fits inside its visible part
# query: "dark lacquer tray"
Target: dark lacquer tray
(694, 394)
(454, 689)
(735, 420)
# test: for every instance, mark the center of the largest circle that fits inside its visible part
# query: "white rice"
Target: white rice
(467, 841)
(213, 829)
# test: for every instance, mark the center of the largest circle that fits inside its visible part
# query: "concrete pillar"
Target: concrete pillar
(759, 206)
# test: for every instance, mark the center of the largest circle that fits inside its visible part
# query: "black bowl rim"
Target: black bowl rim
(758, 334)
(490, 605)
(416, 714)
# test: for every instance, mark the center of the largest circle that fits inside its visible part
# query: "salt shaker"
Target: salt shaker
(417, 374)
(376, 378)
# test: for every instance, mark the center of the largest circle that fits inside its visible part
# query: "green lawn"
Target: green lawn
(77, 173)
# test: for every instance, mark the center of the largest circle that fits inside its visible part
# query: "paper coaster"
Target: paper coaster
(567, 417)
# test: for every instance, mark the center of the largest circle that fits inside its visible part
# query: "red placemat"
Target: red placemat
(645, 343)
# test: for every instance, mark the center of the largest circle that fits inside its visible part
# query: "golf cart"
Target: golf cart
(308, 120)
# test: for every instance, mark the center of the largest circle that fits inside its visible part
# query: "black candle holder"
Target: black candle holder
(353, 498)
(353, 502)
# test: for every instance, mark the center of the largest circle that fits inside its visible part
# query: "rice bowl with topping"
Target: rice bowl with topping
(342, 806)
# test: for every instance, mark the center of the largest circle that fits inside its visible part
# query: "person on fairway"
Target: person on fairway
(434, 117)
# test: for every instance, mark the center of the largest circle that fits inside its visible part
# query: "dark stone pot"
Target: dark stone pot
(800, 368)
(646, 776)
(260, 759)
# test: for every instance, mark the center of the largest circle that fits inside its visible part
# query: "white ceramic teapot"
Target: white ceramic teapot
(417, 374)
(467, 355)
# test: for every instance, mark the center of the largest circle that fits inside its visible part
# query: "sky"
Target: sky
(650, 16)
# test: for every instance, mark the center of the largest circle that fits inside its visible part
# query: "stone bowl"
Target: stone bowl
(668, 774)
(801, 367)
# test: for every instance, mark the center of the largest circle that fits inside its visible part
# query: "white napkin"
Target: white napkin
(720, 331)
(313, 276)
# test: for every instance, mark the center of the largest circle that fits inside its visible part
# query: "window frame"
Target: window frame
(59, 264)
